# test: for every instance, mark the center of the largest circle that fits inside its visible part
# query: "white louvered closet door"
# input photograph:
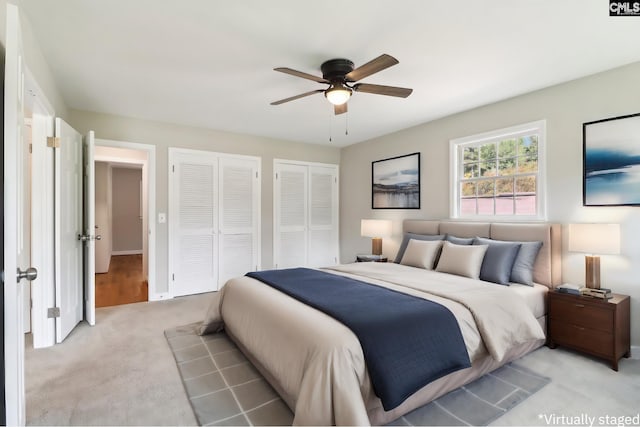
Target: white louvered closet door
(193, 217)
(291, 193)
(323, 216)
(239, 217)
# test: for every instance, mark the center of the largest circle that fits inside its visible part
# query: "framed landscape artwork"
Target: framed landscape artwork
(395, 182)
(611, 162)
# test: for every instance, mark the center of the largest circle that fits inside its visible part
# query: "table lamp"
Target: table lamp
(594, 239)
(376, 229)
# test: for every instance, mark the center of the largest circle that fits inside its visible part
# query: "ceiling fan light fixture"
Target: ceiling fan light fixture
(338, 94)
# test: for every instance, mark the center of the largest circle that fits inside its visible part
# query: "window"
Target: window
(499, 174)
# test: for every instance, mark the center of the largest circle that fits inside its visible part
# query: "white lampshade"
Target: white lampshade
(597, 239)
(375, 227)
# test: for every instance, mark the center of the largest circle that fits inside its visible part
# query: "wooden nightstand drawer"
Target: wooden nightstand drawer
(597, 342)
(582, 313)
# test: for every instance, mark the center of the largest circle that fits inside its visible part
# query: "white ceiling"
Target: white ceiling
(208, 63)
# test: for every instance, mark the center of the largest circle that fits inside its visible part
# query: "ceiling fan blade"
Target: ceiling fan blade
(340, 109)
(293, 98)
(380, 63)
(301, 74)
(400, 92)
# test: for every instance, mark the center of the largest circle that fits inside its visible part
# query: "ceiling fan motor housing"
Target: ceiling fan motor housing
(334, 70)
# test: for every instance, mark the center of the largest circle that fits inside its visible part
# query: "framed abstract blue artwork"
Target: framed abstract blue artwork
(611, 161)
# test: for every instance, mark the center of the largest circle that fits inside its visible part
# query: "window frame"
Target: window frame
(456, 173)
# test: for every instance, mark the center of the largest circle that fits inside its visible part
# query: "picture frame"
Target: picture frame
(395, 182)
(611, 161)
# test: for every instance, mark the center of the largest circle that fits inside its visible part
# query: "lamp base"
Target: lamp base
(592, 271)
(376, 246)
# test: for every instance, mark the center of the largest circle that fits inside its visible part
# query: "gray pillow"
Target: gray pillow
(498, 261)
(459, 240)
(409, 236)
(522, 271)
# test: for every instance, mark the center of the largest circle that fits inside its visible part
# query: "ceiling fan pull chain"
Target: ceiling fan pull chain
(346, 123)
(330, 127)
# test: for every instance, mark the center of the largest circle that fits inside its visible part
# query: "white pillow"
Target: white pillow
(461, 260)
(421, 253)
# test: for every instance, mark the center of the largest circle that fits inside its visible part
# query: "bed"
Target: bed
(317, 364)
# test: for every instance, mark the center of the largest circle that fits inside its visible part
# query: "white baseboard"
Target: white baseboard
(161, 296)
(635, 352)
(133, 252)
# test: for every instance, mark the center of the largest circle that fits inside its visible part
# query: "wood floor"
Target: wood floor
(123, 284)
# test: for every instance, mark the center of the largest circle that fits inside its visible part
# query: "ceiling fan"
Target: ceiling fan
(339, 74)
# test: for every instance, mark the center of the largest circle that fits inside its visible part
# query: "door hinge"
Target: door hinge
(173, 277)
(173, 168)
(53, 142)
(30, 148)
(256, 174)
(276, 175)
(53, 312)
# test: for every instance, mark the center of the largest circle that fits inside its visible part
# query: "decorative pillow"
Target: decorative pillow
(409, 236)
(421, 253)
(522, 270)
(459, 240)
(462, 260)
(498, 261)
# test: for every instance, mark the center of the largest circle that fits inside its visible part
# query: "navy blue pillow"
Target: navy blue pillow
(459, 240)
(409, 236)
(498, 261)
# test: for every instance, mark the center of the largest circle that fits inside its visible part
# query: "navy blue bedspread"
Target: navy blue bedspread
(407, 341)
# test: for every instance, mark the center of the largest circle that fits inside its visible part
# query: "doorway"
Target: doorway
(121, 207)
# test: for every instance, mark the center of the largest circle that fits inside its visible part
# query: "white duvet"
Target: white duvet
(316, 363)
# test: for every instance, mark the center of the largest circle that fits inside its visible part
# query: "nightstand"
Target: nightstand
(370, 258)
(597, 327)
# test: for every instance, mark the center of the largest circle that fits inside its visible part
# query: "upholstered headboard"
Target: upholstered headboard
(548, 266)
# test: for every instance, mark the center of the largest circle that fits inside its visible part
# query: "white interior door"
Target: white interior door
(193, 232)
(239, 196)
(291, 193)
(89, 221)
(68, 226)
(24, 218)
(13, 294)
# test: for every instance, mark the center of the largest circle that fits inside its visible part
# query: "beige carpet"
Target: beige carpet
(118, 372)
(122, 372)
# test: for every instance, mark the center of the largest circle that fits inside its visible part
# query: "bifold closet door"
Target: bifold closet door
(194, 224)
(291, 193)
(306, 215)
(323, 216)
(239, 194)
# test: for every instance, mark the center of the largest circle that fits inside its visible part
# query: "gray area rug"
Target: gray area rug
(225, 389)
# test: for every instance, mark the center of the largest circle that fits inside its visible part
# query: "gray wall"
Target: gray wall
(126, 214)
(565, 107)
(164, 135)
(103, 218)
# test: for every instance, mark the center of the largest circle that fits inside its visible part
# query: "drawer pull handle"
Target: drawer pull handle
(580, 305)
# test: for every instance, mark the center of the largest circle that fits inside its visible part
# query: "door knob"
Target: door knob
(29, 274)
(98, 237)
